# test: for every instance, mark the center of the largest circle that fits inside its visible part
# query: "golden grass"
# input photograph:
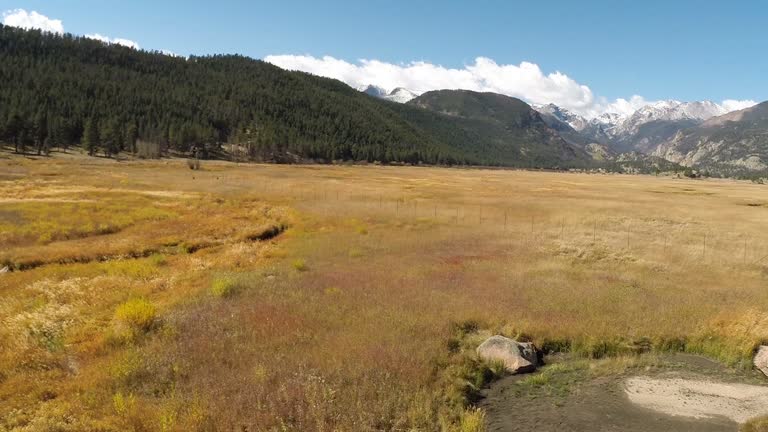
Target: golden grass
(409, 268)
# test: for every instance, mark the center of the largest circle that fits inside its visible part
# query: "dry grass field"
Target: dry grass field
(145, 296)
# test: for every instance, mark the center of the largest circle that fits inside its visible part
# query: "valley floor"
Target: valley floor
(142, 295)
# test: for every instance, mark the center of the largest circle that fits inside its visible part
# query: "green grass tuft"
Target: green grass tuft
(139, 314)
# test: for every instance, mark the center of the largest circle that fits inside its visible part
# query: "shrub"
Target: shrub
(123, 404)
(300, 265)
(472, 420)
(223, 286)
(157, 259)
(139, 314)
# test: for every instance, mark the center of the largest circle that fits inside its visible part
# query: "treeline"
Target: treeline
(62, 91)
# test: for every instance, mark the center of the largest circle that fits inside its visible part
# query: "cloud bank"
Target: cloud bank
(524, 81)
(35, 20)
(118, 41)
(735, 105)
(32, 20)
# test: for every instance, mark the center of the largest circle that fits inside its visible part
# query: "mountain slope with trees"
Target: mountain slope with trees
(73, 91)
(498, 124)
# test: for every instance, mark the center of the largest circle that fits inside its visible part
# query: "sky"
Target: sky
(588, 56)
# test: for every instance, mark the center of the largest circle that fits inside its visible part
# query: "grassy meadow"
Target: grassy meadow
(145, 296)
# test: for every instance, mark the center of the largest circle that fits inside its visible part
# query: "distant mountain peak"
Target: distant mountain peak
(399, 94)
(374, 91)
(573, 120)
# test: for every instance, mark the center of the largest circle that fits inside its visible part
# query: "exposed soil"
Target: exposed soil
(683, 393)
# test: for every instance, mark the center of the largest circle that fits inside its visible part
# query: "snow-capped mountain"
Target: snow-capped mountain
(574, 120)
(400, 94)
(669, 110)
(374, 91)
(641, 130)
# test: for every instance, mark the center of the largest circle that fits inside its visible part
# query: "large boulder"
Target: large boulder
(761, 359)
(517, 357)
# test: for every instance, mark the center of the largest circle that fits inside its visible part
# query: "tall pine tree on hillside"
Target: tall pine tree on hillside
(91, 136)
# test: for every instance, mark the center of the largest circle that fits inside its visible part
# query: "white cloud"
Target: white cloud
(623, 106)
(735, 105)
(118, 41)
(32, 20)
(525, 81)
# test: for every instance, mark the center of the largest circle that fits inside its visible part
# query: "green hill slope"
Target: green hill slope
(68, 91)
(495, 124)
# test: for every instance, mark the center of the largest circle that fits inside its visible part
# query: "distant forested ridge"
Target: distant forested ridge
(63, 90)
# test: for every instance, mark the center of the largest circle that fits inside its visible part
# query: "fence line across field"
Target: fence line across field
(698, 242)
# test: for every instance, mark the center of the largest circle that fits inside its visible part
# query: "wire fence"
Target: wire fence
(659, 238)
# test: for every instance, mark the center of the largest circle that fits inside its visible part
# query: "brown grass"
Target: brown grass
(402, 272)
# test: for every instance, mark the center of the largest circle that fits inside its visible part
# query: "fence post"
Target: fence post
(627, 236)
(594, 231)
(745, 251)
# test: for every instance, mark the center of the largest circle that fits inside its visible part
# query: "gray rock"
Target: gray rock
(761, 359)
(517, 357)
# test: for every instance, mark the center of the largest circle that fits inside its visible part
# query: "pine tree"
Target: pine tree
(91, 136)
(131, 135)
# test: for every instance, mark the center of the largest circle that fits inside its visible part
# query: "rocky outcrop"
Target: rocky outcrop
(761, 359)
(517, 357)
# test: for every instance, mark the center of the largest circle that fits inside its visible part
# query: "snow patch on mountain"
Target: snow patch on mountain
(400, 94)
(615, 124)
(572, 119)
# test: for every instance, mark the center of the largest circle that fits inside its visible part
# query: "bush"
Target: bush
(473, 420)
(139, 314)
(223, 286)
(300, 265)
(157, 259)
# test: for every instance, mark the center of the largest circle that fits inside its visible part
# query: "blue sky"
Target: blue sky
(684, 50)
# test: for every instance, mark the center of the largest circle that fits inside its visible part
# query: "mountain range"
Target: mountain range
(74, 91)
(699, 134)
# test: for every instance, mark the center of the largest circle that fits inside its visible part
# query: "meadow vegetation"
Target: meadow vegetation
(258, 297)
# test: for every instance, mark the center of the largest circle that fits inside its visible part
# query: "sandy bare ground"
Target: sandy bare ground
(698, 398)
(680, 393)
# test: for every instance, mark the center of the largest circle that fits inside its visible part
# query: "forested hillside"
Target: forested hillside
(496, 124)
(64, 90)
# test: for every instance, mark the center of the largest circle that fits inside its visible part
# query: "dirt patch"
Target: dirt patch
(699, 398)
(679, 393)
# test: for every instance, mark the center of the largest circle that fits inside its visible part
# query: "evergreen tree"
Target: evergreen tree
(91, 136)
(131, 135)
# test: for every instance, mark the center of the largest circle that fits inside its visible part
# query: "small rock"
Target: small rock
(517, 357)
(5, 269)
(761, 359)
